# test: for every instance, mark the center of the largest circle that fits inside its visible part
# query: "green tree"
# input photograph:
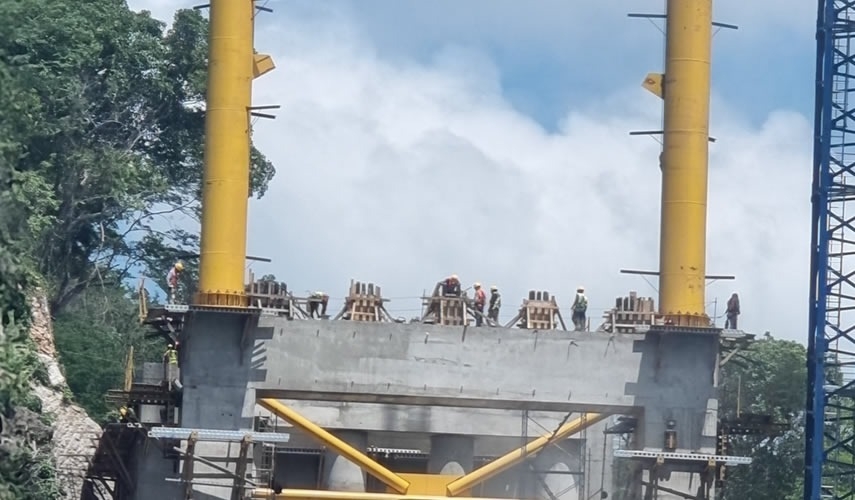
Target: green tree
(93, 335)
(769, 378)
(24, 474)
(111, 139)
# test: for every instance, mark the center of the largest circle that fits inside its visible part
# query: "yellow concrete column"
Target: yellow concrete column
(685, 159)
(225, 188)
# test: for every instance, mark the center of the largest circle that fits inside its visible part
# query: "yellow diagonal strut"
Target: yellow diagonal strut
(512, 458)
(365, 462)
(396, 482)
(299, 494)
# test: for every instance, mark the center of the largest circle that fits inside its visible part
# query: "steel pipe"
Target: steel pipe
(685, 159)
(512, 458)
(364, 462)
(225, 179)
(297, 494)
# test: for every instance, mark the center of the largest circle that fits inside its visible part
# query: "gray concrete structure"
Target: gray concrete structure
(399, 382)
(341, 474)
(451, 454)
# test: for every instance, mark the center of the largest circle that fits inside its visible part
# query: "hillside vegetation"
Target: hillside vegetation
(101, 134)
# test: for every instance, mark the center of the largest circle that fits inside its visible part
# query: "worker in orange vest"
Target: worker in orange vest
(480, 302)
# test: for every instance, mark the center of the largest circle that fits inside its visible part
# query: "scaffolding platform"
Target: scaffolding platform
(109, 465)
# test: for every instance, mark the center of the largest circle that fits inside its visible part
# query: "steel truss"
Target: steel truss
(829, 468)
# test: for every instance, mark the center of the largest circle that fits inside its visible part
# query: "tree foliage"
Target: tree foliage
(101, 138)
(110, 139)
(94, 335)
(768, 379)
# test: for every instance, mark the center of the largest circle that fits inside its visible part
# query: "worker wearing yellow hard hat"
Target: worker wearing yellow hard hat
(172, 279)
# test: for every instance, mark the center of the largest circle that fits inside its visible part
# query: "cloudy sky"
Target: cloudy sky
(490, 138)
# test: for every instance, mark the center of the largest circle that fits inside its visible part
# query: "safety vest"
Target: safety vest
(581, 303)
(172, 356)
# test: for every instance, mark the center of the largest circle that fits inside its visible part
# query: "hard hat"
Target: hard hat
(580, 288)
(179, 265)
(477, 285)
(454, 276)
(494, 288)
(170, 345)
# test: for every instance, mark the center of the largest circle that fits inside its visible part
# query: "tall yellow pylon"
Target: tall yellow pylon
(685, 87)
(232, 65)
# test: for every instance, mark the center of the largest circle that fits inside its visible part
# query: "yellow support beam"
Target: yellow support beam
(225, 186)
(512, 458)
(682, 258)
(388, 477)
(298, 494)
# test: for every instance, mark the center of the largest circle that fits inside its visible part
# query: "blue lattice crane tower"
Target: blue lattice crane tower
(830, 416)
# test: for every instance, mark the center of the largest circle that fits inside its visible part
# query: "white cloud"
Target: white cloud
(400, 172)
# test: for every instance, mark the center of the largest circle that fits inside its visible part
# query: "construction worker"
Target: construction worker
(732, 311)
(127, 415)
(318, 299)
(495, 304)
(170, 359)
(451, 286)
(172, 279)
(580, 308)
(480, 302)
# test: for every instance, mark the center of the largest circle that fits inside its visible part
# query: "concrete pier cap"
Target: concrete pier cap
(438, 372)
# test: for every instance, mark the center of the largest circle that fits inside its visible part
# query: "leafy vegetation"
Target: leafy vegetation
(111, 124)
(767, 379)
(97, 330)
(101, 134)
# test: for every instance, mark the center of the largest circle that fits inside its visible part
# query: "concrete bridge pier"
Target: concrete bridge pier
(451, 454)
(340, 474)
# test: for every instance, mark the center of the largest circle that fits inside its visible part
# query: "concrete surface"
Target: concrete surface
(412, 379)
(662, 377)
(421, 419)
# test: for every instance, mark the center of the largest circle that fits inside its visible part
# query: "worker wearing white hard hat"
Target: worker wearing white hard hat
(495, 304)
(580, 308)
(451, 286)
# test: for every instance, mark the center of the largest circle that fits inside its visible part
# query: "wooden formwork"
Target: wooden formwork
(446, 309)
(629, 313)
(539, 311)
(268, 294)
(364, 302)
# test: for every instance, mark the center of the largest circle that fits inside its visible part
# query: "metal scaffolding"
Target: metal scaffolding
(829, 468)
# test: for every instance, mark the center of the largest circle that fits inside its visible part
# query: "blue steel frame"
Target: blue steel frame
(829, 438)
